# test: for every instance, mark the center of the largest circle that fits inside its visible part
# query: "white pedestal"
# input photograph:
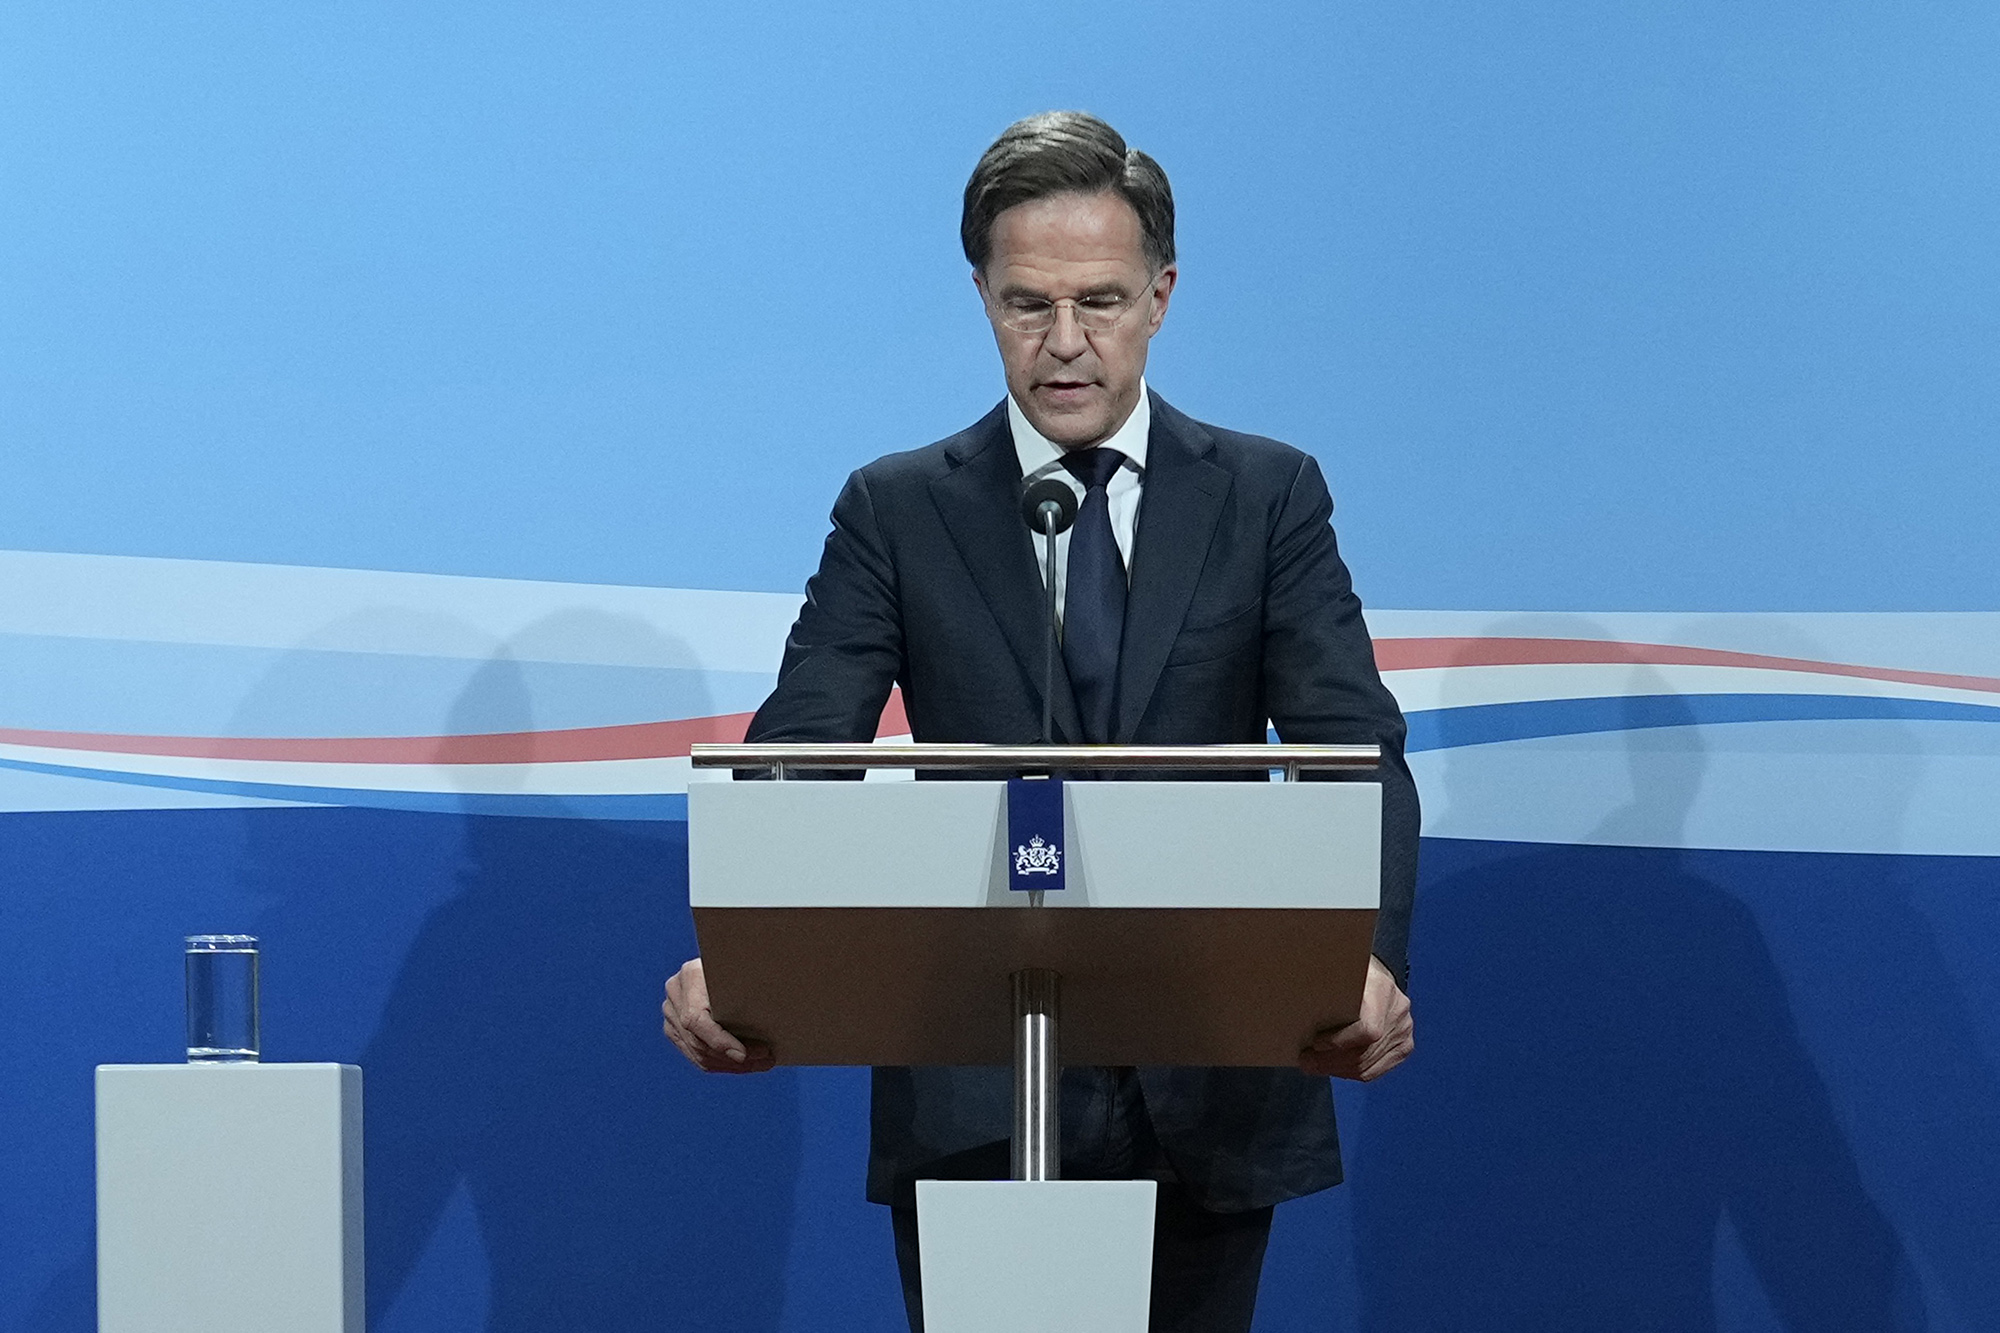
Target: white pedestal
(1057, 1256)
(229, 1198)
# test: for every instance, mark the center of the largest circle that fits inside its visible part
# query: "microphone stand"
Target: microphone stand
(1050, 507)
(1050, 513)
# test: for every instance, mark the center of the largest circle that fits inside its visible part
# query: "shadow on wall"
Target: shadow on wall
(518, 1057)
(1608, 1069)
(1883, 1012)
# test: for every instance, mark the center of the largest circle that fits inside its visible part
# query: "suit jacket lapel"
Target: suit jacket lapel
(1179, 505)
(980, 502)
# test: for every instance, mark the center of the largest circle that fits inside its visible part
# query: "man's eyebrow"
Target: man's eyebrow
(1108, 287)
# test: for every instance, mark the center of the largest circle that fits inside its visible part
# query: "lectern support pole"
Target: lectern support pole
(1037, 1149)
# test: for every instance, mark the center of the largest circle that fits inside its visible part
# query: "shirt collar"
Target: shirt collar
(1038, 454)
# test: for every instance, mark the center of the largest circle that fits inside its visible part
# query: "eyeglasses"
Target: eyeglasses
(1095, 313)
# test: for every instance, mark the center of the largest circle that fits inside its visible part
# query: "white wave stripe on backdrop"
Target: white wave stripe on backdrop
(143, 683)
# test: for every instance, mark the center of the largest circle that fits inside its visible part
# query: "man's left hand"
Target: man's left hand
(1373, 1044)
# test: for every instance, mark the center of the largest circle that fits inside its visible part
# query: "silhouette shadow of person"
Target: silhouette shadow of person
(519, 1056)
(1608, 1068)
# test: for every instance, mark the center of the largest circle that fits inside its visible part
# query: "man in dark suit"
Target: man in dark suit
(1202, 597)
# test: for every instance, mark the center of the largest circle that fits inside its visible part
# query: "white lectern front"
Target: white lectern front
(1203, 923)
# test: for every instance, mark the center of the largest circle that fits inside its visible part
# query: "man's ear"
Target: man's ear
(1163, 292)
(979, 281)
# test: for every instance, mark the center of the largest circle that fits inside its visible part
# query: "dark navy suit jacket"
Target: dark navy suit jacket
(1240, 610)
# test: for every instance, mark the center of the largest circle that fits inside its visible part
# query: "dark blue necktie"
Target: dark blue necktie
(1094, 596)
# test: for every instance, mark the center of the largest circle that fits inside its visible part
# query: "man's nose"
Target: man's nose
(1065, 340)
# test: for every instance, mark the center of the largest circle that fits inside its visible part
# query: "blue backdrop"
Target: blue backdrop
(1678, 310)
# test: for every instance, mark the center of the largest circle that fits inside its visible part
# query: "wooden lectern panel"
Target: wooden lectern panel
(929, 986)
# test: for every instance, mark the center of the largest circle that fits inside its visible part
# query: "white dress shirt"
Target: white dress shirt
(1040, 458)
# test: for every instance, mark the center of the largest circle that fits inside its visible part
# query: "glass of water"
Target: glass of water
(221, 997)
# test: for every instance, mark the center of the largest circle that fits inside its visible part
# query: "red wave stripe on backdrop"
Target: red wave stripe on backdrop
(671, 739)
(634, 740)
(1414, 654)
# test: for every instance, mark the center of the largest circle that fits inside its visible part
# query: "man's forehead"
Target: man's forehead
(1074, 271)
(1028, 277)
(1068, 234)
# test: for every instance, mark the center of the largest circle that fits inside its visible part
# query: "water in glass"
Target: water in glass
(222, 997)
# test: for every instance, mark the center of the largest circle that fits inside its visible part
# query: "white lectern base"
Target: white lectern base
(229, 1198)
(1057, 1256)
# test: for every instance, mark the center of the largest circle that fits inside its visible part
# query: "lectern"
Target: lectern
(1200, 922)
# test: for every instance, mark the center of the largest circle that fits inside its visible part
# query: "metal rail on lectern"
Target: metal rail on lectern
(1036, 1149)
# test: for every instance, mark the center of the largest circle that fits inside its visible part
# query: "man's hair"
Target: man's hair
(1065, 152)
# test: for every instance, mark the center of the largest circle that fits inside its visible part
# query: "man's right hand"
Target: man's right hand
(691, 1027)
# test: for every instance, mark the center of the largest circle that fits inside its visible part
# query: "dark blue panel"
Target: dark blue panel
(499, 980)
(1611, 1063)
(1653, 1088)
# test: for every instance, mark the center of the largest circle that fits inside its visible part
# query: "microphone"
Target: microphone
(1036, 500)
(1049, 507)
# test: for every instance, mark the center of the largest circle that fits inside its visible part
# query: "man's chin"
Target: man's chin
(1073, 428)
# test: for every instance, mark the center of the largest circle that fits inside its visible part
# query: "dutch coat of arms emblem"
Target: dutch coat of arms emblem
(1035, 857)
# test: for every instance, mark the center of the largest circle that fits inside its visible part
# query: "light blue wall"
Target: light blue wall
(1593, 306)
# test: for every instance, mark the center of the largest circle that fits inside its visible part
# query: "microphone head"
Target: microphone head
(1048, 492)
